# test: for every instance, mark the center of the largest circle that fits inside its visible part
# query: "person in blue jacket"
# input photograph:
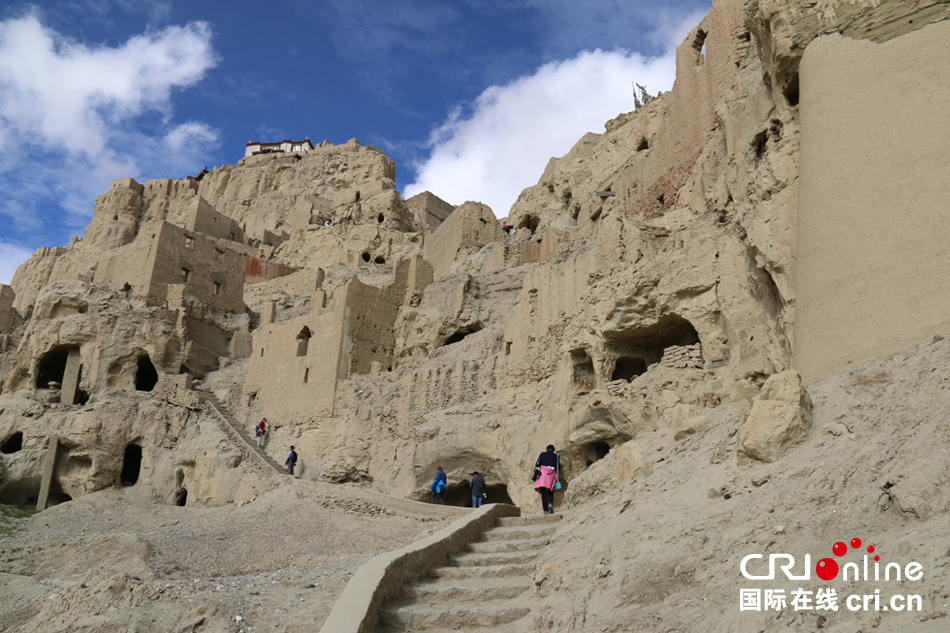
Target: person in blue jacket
(439, 482)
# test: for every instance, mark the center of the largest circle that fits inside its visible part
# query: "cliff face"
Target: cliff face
(650, 284)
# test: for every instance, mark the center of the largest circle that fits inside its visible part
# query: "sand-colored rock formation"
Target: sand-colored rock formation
(688, 274)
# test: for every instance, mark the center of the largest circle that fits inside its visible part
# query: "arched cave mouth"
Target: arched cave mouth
(181, 497)
(461, 333)
(57, 495)
(52, 366)
(12, 444)
(146, 376)
(303, 341)
(131, 465)
(635, 350)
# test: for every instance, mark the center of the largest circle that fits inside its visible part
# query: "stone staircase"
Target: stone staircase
(236, 428)
(486, 588)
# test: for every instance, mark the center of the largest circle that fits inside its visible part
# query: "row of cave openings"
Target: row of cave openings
(53, 365)
(630, 354)
(23, 495)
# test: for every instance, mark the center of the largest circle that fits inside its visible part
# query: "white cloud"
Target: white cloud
(79, 116)
(190, 136)
(503, 142)
(10, 258)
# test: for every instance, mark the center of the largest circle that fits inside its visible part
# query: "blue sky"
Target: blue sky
(469, 97)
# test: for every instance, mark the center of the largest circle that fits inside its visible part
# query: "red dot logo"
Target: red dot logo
(877, 558)
(827, 568)
(870, 549)
(856, 543)
(839, 549)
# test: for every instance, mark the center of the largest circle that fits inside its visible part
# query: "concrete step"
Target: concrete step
(440, 592)
(524, 570)
(518, 533)
(493, 547)
(420, 617)
(539, 519)
(500, 558)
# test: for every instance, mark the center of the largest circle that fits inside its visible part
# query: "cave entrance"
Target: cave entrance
(146, 377)
(460, 494)
(461, 333)
(595, 452)
(497, 493)
(181, 497)
(131, 465)
(52, 366)
(634, 351)
(628, 367)
(13, 444)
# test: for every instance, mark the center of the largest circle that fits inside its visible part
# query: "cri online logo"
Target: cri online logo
(828, 568)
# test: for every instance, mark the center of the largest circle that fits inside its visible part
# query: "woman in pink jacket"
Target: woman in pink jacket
(550, 466)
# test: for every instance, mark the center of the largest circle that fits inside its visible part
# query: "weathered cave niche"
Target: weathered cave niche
(12, 444)
(52, 366)
(131, 465)
(462, 332)
(630, 353)
(530, 222)
(303, 341)
(146, 376)
(583, 376)
(594, 452)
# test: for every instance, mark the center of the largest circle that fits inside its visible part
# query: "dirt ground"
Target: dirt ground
(113, 562)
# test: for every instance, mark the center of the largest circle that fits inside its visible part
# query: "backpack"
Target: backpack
(257, 431)
(293, 457)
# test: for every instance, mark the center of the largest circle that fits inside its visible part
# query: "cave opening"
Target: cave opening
(52, 366)
(791, 90)
(634, 351)
(530, 222)
(461, 333)
(628, 367)
(497, 493)
(146, 376)
(131, 465)
(460, 494)
(13, 444)
(303, 341)
(595, 452)
(181, 497)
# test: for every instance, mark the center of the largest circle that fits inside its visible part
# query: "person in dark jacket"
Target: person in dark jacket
(550, 466)
(291, 461)
(478, 489)
(439, 483)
